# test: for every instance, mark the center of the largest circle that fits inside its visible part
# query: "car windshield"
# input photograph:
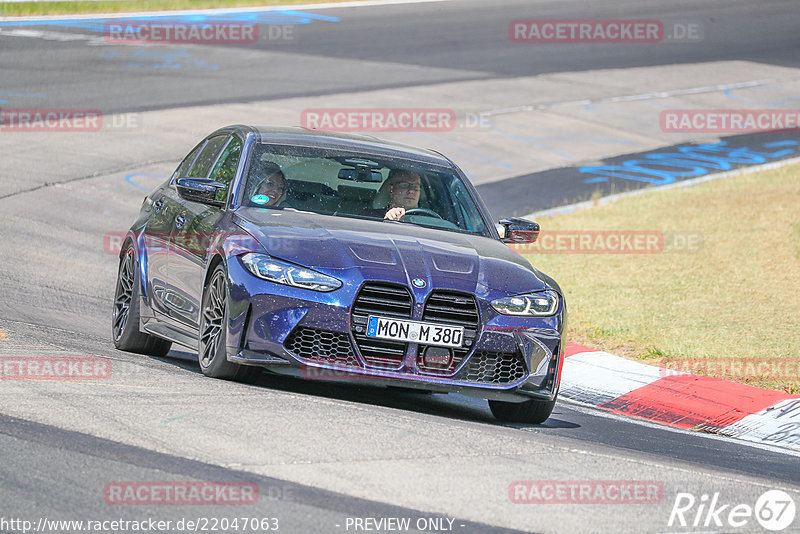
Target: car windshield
(357, 185)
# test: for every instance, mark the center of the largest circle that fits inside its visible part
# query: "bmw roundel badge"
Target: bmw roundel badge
(418, 282)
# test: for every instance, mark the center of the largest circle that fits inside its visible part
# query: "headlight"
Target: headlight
(285, 273)
(540, 304)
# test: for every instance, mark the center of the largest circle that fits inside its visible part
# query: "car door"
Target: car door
(166, 205)
(195, 227)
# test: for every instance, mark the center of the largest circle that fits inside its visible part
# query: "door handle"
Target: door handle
(158, 205)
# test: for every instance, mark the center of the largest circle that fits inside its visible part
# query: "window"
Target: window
(183, 168)
(325, 181)
(466, 212)
(226, 166)
(207, 157)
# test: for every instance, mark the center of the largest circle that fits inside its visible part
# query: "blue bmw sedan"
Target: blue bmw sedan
(340, 257)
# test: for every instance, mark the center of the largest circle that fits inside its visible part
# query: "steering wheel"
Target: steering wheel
(422, 211)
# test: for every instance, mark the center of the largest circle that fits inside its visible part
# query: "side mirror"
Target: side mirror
(519, 231)
(200, 190)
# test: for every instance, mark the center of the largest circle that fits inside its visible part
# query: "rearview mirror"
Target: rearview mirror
(519, 231)
(361, 173)
(200, 190)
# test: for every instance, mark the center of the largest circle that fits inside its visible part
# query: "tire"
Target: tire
(125, 317)
(533, 411)
(211, 352)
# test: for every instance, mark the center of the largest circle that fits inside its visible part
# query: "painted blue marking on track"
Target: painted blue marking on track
(19, 95)
(309, 16)
(129, 179)
(781, 153)
(25, 95)
(662, 168)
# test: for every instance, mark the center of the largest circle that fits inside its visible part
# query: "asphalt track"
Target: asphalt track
(387, 47)
(319, 453)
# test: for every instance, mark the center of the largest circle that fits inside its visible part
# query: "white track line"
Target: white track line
(631, 98)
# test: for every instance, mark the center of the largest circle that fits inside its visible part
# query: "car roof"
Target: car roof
(341, 141)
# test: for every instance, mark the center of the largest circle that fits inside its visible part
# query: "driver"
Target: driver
(402, 188)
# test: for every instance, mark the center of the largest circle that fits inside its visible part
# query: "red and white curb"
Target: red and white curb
(681, 400)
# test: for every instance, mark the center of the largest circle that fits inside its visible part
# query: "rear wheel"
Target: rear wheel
(125, 319)
(533, 411)
(211, 353)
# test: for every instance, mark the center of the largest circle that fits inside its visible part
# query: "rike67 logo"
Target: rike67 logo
(774, 511)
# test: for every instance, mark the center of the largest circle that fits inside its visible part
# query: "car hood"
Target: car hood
(392, 250)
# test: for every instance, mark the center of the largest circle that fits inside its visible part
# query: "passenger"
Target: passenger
(399, 193)
(271, 189)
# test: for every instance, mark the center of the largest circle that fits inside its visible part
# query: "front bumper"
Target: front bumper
(312, 335)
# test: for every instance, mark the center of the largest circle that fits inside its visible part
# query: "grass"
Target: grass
(11, 9)
(730, 309)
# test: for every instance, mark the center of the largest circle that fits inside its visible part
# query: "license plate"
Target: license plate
(416, 332)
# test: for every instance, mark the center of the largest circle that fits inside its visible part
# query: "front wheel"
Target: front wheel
(211, 353)
(534, 411)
